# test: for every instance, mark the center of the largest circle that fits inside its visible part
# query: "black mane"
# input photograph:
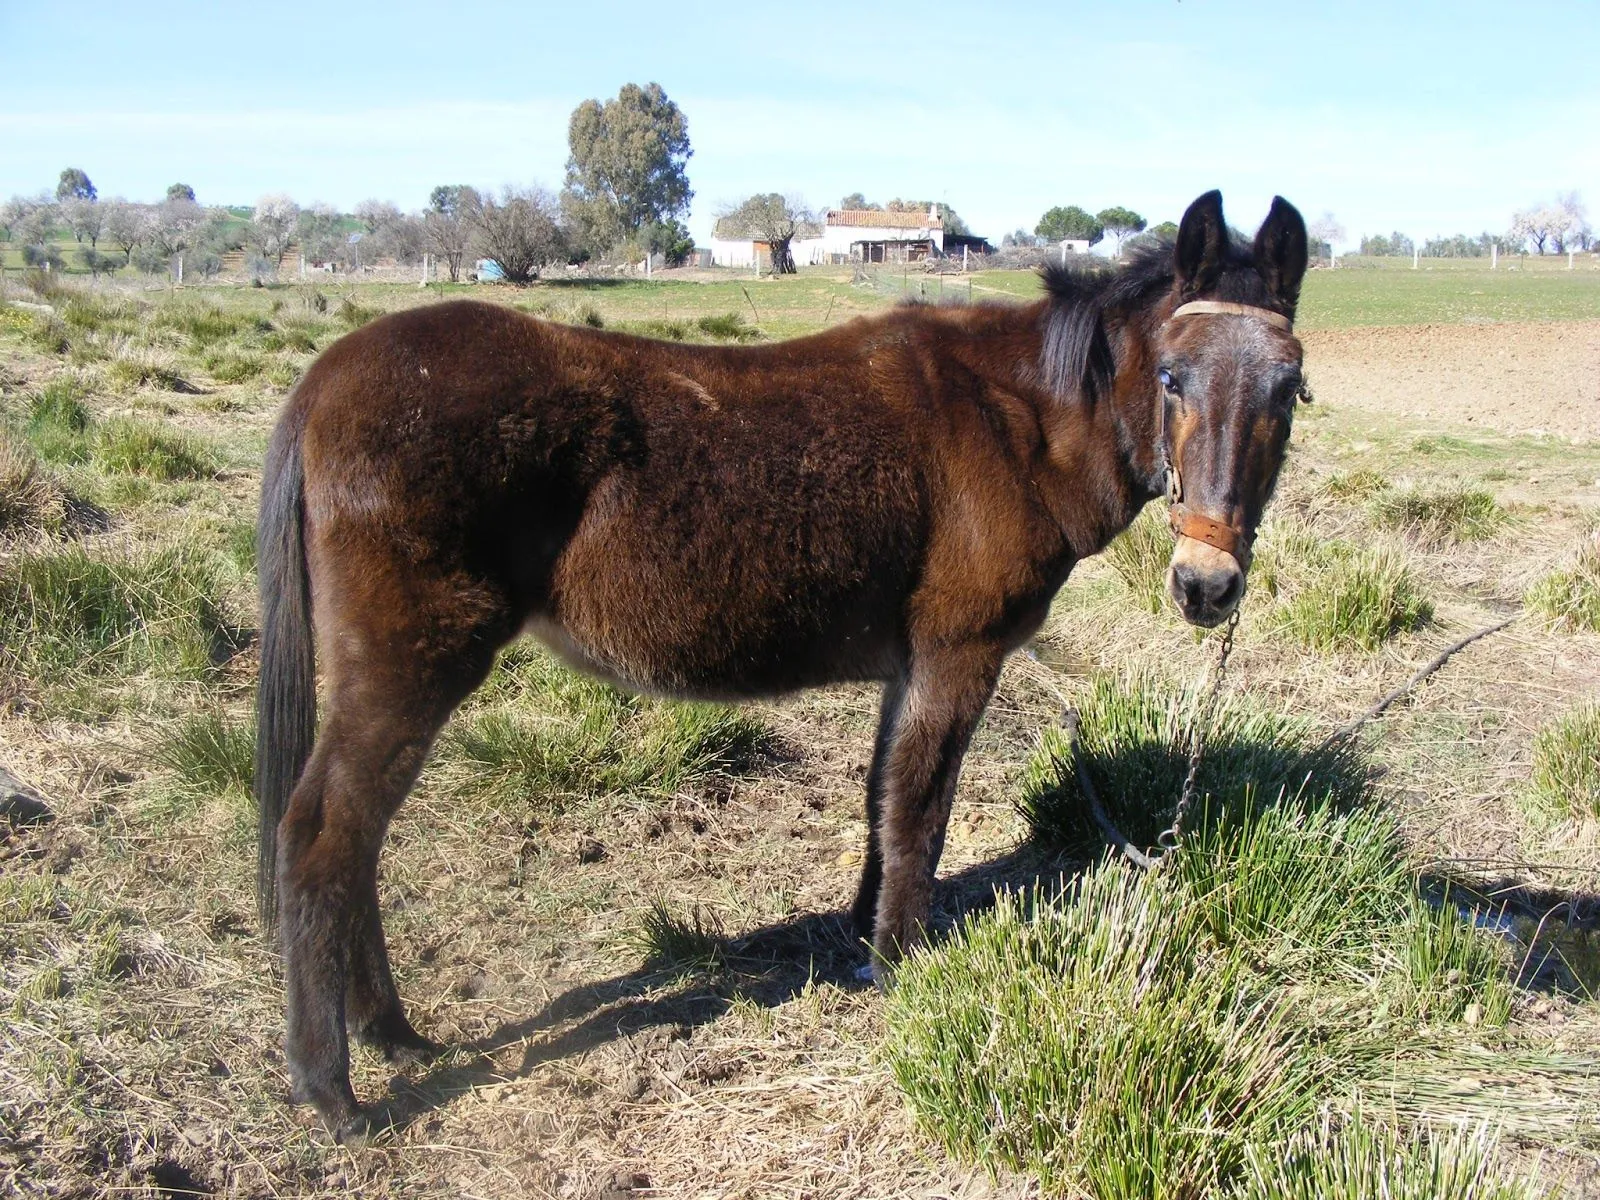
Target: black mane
(1076, 358)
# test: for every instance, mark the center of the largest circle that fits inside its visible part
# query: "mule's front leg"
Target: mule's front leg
(944, 699)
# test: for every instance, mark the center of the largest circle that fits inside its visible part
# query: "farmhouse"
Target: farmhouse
(847, 235)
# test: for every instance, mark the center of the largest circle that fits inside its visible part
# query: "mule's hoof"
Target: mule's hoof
(355, 1132)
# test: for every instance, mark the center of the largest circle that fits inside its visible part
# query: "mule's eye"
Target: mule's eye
(1167, 381)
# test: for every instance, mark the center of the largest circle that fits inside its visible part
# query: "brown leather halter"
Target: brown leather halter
(1185, 521)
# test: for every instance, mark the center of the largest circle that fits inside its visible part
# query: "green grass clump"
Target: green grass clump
(1454, 972)
(679, 945)
(295, 336)
(208, 762)
(1154, 1035)
(1355, 485)
(1355, 600)
(1096, 1043)
(207, 326)
(1457, 514)
(234, 367)
(30, 499)
(69, 611)
(1134, 733)
(130, 366)
(1358, 1159)
(1140, 555)
(729, 327)
(1570, 596)
(48, 333)
(353, 315)
(58, 422)
(545, 734)
(1566, 764)
(130, 446)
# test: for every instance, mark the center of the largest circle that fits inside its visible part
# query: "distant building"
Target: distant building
(855, 235)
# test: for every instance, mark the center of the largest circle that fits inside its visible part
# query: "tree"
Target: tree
(856, 202)
(1021, 238)
(86, 219)
(171, 227)
(317, 230)
(627, 164)
(125, 226)
(74, 183)
(949, 220)
(670, 239)
(180, 191)
(1120, 223)
(520, 233)
(1069, 224)
(272, 226)
(1535, 225)
(447, 224)
(1326, 233)
(1574, 222)
(768, 217)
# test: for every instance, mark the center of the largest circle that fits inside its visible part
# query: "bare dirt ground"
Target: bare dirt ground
(1513, 378)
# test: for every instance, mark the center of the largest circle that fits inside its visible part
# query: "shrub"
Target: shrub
(1566, 764)
(1457, 514)
(130, 446)
(1570, 596)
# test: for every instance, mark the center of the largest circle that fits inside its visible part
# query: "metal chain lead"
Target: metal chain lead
(1167, 839)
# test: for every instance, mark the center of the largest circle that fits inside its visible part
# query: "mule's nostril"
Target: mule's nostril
(1231, 590)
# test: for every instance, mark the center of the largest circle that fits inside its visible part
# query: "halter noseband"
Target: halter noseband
(1185, 521)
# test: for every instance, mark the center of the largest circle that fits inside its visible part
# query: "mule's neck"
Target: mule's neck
(1106, 450)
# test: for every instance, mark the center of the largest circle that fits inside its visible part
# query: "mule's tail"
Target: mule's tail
(286, 698)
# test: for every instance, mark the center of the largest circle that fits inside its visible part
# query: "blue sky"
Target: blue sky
(1423, 117)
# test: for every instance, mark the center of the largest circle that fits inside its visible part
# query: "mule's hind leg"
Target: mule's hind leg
(864, 912)
(373, 1012)
(944, 698)
(383, 713)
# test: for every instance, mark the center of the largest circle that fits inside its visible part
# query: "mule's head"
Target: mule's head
(1228, 371)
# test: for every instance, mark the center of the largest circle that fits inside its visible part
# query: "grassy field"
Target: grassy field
(1369, 972)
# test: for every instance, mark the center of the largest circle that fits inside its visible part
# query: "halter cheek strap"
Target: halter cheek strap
(1185, 521)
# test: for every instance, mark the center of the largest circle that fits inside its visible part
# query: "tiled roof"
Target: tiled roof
(879, 219)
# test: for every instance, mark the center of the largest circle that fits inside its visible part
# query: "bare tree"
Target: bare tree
(448, 224)
(1535, 225)
(272, 227)
(1326, 230)
(17, 213)
(126, 225)
(520, 233)
(86, 218)
(171, 227)
(1574, 224)
(772, 218)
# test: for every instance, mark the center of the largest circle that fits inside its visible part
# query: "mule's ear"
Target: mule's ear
(1202, 243)
(1281, 250)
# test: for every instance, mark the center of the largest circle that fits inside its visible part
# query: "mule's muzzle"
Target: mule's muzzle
(1207, 592)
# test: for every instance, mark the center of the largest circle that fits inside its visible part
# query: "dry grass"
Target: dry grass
(643, 970)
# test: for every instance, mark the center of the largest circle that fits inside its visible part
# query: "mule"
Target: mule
(897, 499)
